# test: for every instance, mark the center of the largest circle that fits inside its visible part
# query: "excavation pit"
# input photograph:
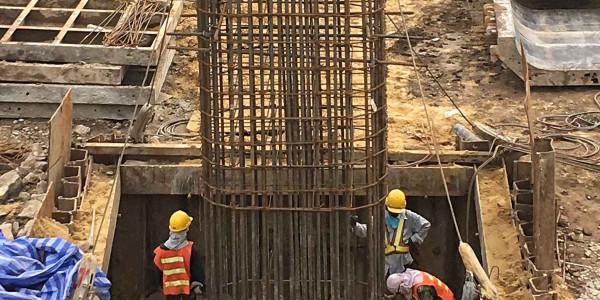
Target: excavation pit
(150, 193)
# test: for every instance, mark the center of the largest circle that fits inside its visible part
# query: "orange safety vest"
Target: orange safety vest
(441, 288)
(175, 266)
(398, 245)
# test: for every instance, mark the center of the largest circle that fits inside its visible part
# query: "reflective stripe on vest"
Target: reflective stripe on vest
(441, 288)
(177, 283)
(169, 260)
(174, 271)
(398, 245)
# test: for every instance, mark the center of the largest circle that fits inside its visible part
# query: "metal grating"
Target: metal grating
(293, 120)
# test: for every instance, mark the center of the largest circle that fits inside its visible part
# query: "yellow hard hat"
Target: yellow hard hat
(179, 221)
(396, 201)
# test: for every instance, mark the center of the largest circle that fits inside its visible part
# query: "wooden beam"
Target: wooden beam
(85, 30)
(48, 203)
(59, 151)
(69, 23)
(61, 73)
(18, 21)
(446, 156)
(113, 213)
(192, 151)
(169, 25)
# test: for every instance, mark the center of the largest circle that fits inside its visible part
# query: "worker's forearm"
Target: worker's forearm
(419, 236)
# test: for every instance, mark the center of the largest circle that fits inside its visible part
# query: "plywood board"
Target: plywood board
(48, 203)
(60, 141)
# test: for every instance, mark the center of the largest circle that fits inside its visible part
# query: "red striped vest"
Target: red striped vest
(175, 266)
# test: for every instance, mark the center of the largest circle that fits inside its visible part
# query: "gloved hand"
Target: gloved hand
(197, 288)
(414, 247)
(353, 221)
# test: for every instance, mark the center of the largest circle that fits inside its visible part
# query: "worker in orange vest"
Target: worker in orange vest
(180, 261)
(404, 230)
(418, 285)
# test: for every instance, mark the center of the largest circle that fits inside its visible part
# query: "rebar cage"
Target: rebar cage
(293, 123)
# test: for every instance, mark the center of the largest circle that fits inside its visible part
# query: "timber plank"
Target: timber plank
(114, 203)
(70, 22)
(61, 73)
(59, 152)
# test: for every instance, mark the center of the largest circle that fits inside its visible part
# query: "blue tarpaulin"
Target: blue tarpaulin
(42, 269)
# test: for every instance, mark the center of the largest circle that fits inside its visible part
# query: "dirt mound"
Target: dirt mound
(47, 227)
(502, 247)
(96, 198)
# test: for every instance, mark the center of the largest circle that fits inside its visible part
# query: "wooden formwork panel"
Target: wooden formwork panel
(60, 31)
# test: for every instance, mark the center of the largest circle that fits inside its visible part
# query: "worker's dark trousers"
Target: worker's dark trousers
(181, 297)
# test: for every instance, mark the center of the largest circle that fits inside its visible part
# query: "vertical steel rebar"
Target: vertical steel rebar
(292, 102)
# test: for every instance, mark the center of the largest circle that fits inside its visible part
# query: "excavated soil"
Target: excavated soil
(96, 198)
(47, 227)
(503, 250)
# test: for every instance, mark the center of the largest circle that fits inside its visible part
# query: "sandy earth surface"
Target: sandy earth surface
(452, 42)
(96, 199)
(503, 250)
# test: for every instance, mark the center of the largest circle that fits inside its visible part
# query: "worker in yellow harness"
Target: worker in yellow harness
(180, 261)
(403, 229)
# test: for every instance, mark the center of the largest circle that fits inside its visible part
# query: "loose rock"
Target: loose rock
(41, 165)
(26, 228)
(81, 129)
(32, 178)
(28, 164)
(15, 227)
(588, 230)
(41, 187)
(6, 229)
(10, 184)
(30, 209)
(24, 196)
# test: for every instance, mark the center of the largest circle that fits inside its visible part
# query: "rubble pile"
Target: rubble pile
(22, 191)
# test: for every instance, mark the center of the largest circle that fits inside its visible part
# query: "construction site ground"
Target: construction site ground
(450, 37)
(456, 50)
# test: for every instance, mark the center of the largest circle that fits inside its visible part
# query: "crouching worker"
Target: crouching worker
(418, 285)
(180, 261)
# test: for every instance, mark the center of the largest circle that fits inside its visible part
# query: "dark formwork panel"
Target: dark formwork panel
(438, 255)
(143, 224)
